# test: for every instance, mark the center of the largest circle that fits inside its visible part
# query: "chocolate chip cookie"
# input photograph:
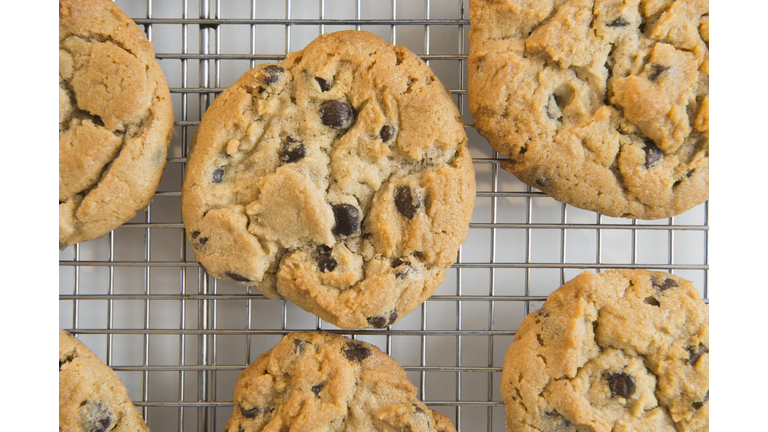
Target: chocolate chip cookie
(115, 120)
(318, 381)
(601, 104)
(623, 350)
(91, 396)
(338, 179)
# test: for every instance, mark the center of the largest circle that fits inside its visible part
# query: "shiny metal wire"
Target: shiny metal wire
(178, 338)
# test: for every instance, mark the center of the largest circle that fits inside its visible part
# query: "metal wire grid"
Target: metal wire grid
(178, 338)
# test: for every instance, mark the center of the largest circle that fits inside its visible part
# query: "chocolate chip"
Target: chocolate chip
(292, 150)
(405, 202)
(203, 240)
(347, 219)
(665, 284)
(694, 354)
(273, 73)
(651, 300)
(324, 86)
(337, 115)
(618, 22)
(656, 70)
(553, 108)
(397, 262)
(250, 413)
(392, 318)
(621, 384)
(316, 389)
(382, 321)
(237, 277)
(555, 416)
(218, 175)
(418, 409)
(377, 322)
(652, 154)
(386, 133)
(541, 182)
(326, 263)
(96, 417)
(356, 351)
(697, 405)
(195, 234)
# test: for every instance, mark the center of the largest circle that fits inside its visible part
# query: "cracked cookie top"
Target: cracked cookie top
(601, 104)
(339, 179)
(623, 350)
(115, 119)
(91, 396)
(318, 381)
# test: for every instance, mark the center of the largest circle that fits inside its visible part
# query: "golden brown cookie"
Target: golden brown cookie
(623, 350)
(115, 120)
(601, 104)
(339, 179)
(91, 396)
(318, 381)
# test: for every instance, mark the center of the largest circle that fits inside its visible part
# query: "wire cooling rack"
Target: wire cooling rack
(179, 338)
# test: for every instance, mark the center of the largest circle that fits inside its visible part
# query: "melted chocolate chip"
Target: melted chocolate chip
(356, 351)
(405, 203)
(618, 22)
(96, 417)
(665, 284)
(218, 175)
(652, 154)
(347, 219)
(694, 354)
(316, 389)
(292, 150)
(299, 345)
(237, 277)
(273, 74)
(324, 86)
(250, 413)
(621, 384)
(337, 115)
(386, 133)
(195, 234)
(656, 71)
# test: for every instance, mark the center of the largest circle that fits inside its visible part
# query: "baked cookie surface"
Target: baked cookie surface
(623, 350)
(91, 396)
(318, 381)
(338, 179)
(115, 119)
(603, 105)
